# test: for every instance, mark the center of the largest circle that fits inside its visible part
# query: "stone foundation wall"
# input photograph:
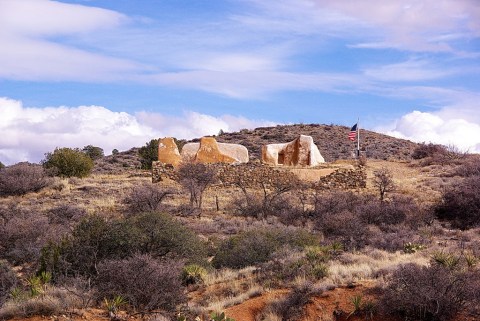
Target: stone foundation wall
(252, 175)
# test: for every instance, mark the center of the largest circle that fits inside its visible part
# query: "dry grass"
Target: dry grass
(369, 264)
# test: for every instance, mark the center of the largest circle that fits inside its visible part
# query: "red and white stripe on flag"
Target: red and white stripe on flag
(353, 133)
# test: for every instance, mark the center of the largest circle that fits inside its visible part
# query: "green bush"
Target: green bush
(257, 246)
(93, 152)
(68, 162)
(95, 240)
(149, 153)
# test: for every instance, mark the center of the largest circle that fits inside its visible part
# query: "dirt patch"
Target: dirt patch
(247, 310)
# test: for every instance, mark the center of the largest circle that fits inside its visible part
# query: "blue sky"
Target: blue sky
(116, 73)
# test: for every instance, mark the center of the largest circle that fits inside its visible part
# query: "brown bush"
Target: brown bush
(146, 198)
(345, 227)
(66, 215)
(146, 283)
(460, 204)
(428, 293)
(8, 280)
(22, 178)
(22, 235)
(469, 167)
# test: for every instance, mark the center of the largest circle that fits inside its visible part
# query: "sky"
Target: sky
(117, 73)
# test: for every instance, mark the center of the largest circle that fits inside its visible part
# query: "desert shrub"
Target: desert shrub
(148, 153)
(66, 214)
(427, 293)
(383, 182)
(287, 264)
(394, 211)
(469, 167)
(145, 282)
(195, 178)
(427, 150)
(460, 204)
(272, 200)
(146, 198)
(335, 202)
(22, 178)
(94, 240)
(291, 308)
(345, 227)
(53, 301)
(8, 280)
(67, 162)
(193, 274)
(22, 235)
(161, 235)
(93, 152)
(394, 238)
(256, 246)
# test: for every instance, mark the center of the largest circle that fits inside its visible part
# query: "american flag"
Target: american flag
(353, 133)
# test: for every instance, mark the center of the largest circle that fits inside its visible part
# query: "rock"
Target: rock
(168, 151)
(299, 152)
(209, 151)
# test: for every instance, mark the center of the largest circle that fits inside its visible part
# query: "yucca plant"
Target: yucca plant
(114, 305)
(220, 317)
(448, 260)
(193, 274)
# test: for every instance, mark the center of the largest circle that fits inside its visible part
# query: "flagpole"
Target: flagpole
(358, 137)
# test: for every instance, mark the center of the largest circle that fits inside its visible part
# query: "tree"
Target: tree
(149, 153)
(2, 166)
(114, 151)
(383, 182)
(146, 198)
(196, 177)
(68, 162)
(93, 152)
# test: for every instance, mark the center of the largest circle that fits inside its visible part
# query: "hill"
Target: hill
(331, 140)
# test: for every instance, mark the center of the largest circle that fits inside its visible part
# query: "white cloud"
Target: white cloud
(427, 25)
(410, 70)
(29, 132)
(28, 53)
(436, 128)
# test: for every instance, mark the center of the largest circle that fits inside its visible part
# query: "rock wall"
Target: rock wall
(251, 175)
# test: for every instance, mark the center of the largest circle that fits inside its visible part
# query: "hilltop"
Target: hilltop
(331, 140)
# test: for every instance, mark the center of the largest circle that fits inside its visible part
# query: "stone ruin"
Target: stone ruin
(207, 151)
(300, 152)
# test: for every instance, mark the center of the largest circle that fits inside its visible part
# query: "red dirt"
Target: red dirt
(246, 311)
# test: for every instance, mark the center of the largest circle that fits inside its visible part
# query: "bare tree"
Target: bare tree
(147, 198)
(267, 196)
(195, 178)
(383, 182)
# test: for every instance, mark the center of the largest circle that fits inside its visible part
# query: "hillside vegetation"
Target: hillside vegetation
(114, 246)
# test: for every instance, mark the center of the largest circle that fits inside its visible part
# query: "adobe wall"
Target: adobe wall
(252, 174)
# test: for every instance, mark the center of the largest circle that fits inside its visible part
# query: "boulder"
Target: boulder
(209, 151)
(300, 152)
(168, 151)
